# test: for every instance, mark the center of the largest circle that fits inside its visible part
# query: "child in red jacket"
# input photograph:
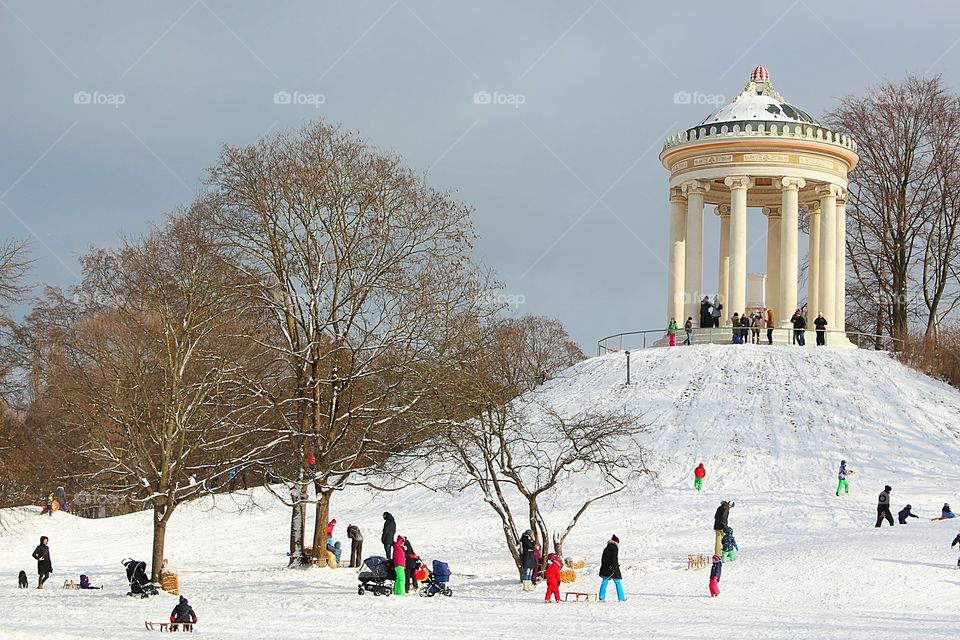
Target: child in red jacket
(552, 575)
(698, 474)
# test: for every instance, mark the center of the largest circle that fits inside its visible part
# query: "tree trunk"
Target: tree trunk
(321, 518)
(160, 518)
(297, 519)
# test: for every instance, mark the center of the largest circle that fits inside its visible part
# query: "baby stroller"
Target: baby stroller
(437, 580)
(140, 584)
(374, 573)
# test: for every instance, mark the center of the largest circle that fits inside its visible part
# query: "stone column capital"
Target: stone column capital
(722, 210)
(772, 212)
(738, 182)
(811, 208)
(676, 195)
(694, 187)
(792, 184)
(827, 190)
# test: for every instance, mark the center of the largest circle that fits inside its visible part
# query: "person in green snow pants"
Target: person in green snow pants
(400, 582)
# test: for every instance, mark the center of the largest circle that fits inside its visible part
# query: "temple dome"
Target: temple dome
(759, 102)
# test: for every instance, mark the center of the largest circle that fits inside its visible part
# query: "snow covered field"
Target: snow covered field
(770, 424)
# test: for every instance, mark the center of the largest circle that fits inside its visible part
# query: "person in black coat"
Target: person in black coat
(799, 326)
(720, 519)
(183, 613)
(610, 569)
(389, 535)
(412, 562)
(883, 507)
(44, 566)
(528, 558)
(820, 324)
(905, 513)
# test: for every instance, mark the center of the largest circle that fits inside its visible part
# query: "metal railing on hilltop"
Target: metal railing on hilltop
(782, 336)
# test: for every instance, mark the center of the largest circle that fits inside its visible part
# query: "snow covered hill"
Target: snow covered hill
(770, 424)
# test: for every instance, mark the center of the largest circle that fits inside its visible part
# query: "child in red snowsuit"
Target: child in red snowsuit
(553, 577)
(715, 576)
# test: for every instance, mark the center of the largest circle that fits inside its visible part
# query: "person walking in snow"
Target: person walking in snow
(356, 545)
(799, 327)
(843, 475)
(883, 507)
(182, 613)
(904, 514)
(552, 574)
(528, 559)
(715, 570)
(771, 323)
(389, 532)
(727, 545)
(610, 569)
(698, 475)
(672, 329)
(821, 326)
(688, 329)
(956, 541)
(399, 567)
(735, 323)
(44, 566)
(719, 524)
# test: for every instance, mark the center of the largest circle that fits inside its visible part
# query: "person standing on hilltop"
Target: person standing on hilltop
(528, 558)
(356, 545)
(735, 323)
(715, 311)
(799, 326)
(698, 475)
(672, 329)
(820, 324)
(705, 318)
(720, 519)
(843, 475)
(389, 532)
(688, 329)
(771, 323)
(883, 507)
(44, 565)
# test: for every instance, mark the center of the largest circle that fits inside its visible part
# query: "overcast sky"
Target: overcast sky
(546, 116)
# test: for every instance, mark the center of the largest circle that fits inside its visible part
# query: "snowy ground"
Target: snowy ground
(771, 426)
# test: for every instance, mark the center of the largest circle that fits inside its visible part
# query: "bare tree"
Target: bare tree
(142, 367)
(363, 269)
(14, 265)
(901, 213)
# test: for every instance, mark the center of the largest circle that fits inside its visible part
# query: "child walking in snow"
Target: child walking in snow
(728, 544)
(554, 564)
(843, 484)
(698, 475)
(715, 576)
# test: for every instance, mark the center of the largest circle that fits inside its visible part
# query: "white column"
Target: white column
(738, 242)
(789, 246)
(723, 272)
(675, 266)
(813, 262)
(840, 307)
(773, 259)
(828, 252)
(693, 264)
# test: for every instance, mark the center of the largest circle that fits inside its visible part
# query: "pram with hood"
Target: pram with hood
(375, 572)
(437, 580)
(140, 584)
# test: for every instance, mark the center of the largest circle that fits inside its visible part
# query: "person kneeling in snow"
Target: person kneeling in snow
(183, 613)
(715, 571)
(554, 564)
(906, 513)
(728, 544)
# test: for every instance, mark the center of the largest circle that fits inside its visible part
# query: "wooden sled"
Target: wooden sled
(169, 626)
(578, 596)
(696, 561)
(70, 584)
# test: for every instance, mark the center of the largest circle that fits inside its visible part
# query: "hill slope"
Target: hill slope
(771, 425)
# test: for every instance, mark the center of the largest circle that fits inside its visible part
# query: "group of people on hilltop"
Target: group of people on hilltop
(747, 327)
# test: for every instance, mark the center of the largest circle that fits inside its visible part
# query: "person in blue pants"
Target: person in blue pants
(610, 569)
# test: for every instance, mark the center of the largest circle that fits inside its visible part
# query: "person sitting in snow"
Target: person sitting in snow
(183, 613)
(728, 544)
(552, 574)
(906, 513)
(715, 571)
(698, 475)
(946, 513)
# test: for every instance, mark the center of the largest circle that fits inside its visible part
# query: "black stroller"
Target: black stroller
(436, 581)
(140, 584)
(375, 572)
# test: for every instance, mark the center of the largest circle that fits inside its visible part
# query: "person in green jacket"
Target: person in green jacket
(672, 329)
